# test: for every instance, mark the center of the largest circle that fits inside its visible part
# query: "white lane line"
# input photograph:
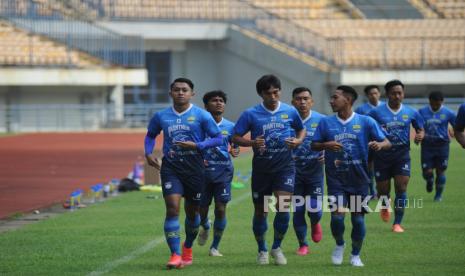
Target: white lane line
(147, 247)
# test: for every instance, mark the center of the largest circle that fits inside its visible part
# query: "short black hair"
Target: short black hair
(185, 80)
(348, 90)
(301, 89)
(369, 87)
(266, 82)
(436, 96)
(391, 84)
(215, 93)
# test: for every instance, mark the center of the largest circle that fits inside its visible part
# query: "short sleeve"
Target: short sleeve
(375, 130)
(209, 125)
(242, 125)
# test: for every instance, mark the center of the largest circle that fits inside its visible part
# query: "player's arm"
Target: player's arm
(149, 142)
(377, 146)
(258, 142)
(418, 125)
(294, 142)
(459, 129)
(320, 142)
(214, 141)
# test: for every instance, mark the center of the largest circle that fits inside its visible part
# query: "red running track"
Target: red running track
(38, 170)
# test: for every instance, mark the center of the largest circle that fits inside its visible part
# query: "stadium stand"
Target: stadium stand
(448, 8)
(20, 48)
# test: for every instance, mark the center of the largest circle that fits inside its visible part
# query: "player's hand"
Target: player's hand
(153, 161)
(376, 146)
(234, 151)
(321, 158)
(187, 145)
(293, 142)
(259, 142)
(419, 137)
(333, 146)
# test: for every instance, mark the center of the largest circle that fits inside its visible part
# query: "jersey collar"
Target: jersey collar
(344, 122)
(218, 124)
(182, 113)
(432, 111)
(374, 106)
(392, 111)
(308, 117)
(272, 111)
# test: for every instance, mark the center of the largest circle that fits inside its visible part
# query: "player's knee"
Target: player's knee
(427, 174)
(220, 210)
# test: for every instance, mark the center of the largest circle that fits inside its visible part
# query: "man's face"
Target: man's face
(373, 96)
(339, 101)
(181, 93)
(215, 105)
(435, 104)
(303, 101)
(271, 96)
(395, 94)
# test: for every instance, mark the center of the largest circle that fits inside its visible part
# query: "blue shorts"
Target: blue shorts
(386, 170)
(434, 157)
(220, 191)
(343, 199)
(306, 185)
(189, 186)
(263, 184)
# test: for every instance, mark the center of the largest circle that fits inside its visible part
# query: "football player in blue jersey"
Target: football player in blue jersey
(309, 173)
(459, 128)
(185, 129)
(346, 138)
(273, 169)
(219, 172)
(395, 118)
(373, 94)
(435, 145)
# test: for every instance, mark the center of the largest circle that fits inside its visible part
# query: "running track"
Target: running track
(38, 170)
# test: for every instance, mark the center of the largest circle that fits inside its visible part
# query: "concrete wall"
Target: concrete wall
(235, 64)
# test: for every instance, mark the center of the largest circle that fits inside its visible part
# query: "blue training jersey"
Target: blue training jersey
(365, 108)
(194, 124)
(275, 126)
(350, 165)
(437, 125)
(460, 120)
(219, 167)
(306, 160)
(396, 125)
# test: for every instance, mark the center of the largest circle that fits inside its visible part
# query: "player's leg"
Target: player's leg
(261, 186)
(283, 189)
(316, 208)
(207, 197)
(383, 173)
(357, 235)
(400, 202)
(441, 167)
(193, 189)
(427, 168)
(222, 197)
(298, 219)
(172, 192)
(337, 201)
(371, 174)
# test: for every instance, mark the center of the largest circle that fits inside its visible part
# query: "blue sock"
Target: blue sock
(205, 224)
(440, 183)
(358, 233)
(429, 177)
(260, 226)
(300, 226)
(337, 228)
(315, 216)
(218, 227)
(280, 225)
(172, 234)
(399, 206)
(192, 229)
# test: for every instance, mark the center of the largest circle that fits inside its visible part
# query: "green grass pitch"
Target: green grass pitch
(124, 236)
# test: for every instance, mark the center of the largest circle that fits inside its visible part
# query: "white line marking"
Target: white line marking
(147, 247)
